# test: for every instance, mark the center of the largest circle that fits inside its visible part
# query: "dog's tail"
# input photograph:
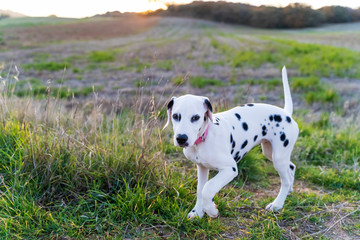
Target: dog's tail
(287, 95)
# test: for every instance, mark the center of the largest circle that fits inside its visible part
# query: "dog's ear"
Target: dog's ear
(209, 109)
(169, 109)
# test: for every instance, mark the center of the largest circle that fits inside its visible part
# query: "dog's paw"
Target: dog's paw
(212, 210)
(273, 206)
(195, 214)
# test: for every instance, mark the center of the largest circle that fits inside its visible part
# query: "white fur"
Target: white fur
(240, 124)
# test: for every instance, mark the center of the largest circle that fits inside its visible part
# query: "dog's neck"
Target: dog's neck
(203, 136)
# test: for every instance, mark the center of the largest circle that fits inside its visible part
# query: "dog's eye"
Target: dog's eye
(195, 118)
(176, 117)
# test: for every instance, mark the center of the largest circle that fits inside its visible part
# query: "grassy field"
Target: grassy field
(83, 156)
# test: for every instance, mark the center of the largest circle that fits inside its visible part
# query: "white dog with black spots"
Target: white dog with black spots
(218, 141)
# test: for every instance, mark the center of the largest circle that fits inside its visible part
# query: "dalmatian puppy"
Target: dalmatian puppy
(218, 141)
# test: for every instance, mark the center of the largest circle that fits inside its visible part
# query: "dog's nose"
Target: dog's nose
(181, 138)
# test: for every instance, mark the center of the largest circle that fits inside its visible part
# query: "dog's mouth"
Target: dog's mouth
(183, 145)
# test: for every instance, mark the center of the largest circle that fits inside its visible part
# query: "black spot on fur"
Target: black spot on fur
(271, 118)
(193, 210)
(232, 151)
(244, 154)
(282, 137)
(245, 126)
(205, 118)
(264, 130)
(233, 127)
(212, 199)
(217, 119)
(242, 105)
(288, 119)
(244, 144)
(286, 143)
(250, 104)
(236, 156)
(170, 104)
(233, 144)
(277, 125)
(238, 116)
(256, 136)
(234, 169)
(292, 167)
(231, 138)
(217, 123)
(277, 118)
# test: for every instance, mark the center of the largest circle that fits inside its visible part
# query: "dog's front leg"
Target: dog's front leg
(213, 186)
(203, 175)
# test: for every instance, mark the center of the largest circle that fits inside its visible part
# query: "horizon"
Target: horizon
(62, 9)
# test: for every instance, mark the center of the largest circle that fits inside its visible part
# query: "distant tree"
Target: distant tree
(295, 15)
(299, 15)
(267, 17)
(337, 14)
(355, 14)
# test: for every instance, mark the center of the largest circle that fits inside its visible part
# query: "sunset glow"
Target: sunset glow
(82, 8)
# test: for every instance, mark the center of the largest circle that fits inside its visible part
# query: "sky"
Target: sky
(87, 8)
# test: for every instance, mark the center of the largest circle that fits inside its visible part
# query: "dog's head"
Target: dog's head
(190, 115)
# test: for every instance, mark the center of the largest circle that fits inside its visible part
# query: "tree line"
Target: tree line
(3, 16)
(294, 15)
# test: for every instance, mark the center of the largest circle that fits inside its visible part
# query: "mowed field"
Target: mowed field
(83, 103)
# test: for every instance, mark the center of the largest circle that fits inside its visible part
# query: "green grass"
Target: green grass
(201, 82)
(321, 60)
(166, 65)
(268, 84)
(308, 58)
(314, 90)
(101, 56)
(178, 80)
(46, 66)
(319, 145)
(35, 88)
(112, 177)
(332, 178)
(252, 58)
(325, 95)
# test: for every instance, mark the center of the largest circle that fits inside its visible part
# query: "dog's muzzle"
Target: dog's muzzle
(182, 140)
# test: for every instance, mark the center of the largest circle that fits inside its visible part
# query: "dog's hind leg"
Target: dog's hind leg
(281, 164)
(292, 168)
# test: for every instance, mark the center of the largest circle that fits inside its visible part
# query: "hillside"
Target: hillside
(11, 13)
